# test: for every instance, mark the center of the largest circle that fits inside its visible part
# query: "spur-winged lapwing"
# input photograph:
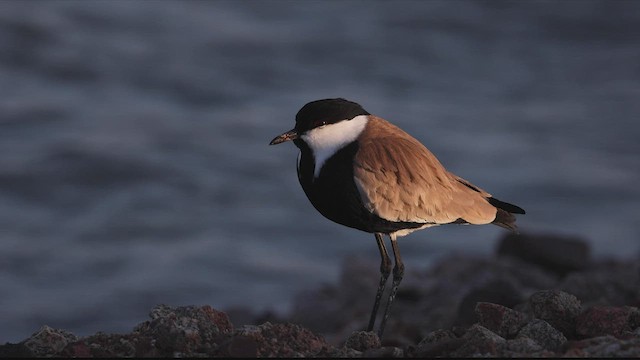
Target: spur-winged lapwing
(363, 172)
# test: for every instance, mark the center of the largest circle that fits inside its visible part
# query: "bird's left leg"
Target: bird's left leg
(398, 273)
(385, 270)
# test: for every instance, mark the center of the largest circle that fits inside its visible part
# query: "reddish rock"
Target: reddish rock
(558, 308)
(500, 319)
(433, 301)
(111, 345)
(186, 330)
(240, 346)
(77, 350)
(363, 340)
(606, 320)
(282, 340)
(504, 292)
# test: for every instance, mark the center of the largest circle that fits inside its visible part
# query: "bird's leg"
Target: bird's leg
(398, 272)
(385, 270)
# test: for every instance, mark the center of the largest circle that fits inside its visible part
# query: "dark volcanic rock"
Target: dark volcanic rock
(15, 351)
(544, 334)
(521, 347)
(462, 306)
(557, 308)
(607, 320)
(111, 345)
(281, 340)
(172, 331)
(604, 346)
(438, 336)
(187, 329)
(363, 340)
(478, 341)
(47, 341)
(438, 343)
(384, 352)
(500, 319)
(560, 254)
(239, 347)
(439, 297)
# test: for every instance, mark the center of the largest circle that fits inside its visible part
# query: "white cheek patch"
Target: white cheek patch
(327, 140)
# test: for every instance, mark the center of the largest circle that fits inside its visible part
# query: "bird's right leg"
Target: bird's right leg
(398, 273)
(385, 270)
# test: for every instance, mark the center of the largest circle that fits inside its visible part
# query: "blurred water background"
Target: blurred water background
(134, 166)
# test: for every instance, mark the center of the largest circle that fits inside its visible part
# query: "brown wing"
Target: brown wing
(400, 180)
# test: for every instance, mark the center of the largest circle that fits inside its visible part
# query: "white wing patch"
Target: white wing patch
(326, 140)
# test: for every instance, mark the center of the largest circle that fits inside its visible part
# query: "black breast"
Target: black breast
(334, 193)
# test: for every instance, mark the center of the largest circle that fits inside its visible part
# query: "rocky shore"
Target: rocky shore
(538, 296)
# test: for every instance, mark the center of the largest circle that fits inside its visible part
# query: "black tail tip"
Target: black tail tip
(514, 209)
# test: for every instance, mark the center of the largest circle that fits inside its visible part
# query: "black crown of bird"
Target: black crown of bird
(363, 172)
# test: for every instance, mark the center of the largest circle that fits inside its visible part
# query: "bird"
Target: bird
(361, 171)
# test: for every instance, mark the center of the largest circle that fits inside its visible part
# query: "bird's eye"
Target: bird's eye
(319, 123)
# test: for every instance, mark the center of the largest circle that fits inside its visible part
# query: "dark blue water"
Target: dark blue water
(134, 166)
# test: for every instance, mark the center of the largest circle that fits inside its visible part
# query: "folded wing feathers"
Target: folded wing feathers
(400, 180)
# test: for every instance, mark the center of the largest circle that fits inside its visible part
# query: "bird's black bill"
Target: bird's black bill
(288, 136)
